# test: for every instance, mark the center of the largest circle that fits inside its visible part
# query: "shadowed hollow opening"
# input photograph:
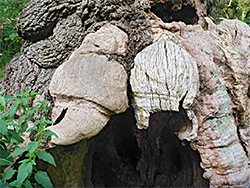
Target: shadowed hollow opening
(127, 157)
(166, 161)
(168, 13)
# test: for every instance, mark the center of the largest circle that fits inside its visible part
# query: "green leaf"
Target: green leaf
(11, 123)
(2, 108)
(33, 163)
(4, 185)
(32, 111)
(34, 93)
(4, 162)
(44, 108)
(25, 160)
(47, 108)
(50, 133)
(9, 98)
(40, 102)
(4, 153)
(18, 151)
(1, 92)
(13, 109)
(43, 179)
(7, 158)
(16, 136)
(32, 146)
(8, 174)
(27, 184)
(24, 170)
(22, 118)
(24, 127)
(3, 127)
(2, 146)
(20, 94)
(28, 91)
(25, 101)
(45, 156)
(38, 122)
(32, 129)
(2, 101)
(14, 183)
(49, 122)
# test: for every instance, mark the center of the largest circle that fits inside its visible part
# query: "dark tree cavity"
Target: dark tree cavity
(126, 157)
(168, 13)
(61, 116)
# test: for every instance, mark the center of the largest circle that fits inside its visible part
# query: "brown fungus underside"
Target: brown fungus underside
(121, 155)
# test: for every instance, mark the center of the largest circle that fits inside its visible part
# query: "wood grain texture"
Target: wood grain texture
(164, 76)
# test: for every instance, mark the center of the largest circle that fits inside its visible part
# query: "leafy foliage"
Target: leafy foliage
(10, 43)
(230, 9)
(13, 125)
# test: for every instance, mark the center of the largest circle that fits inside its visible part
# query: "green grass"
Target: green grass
(10, 43)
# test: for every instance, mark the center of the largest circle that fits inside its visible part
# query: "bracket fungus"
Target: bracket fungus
(163, 76)
(90, 86)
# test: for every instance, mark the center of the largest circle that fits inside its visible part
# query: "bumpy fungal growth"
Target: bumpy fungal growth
(90, 87)
(107, 40)
(164, 75)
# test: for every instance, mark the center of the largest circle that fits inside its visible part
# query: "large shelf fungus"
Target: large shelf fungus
(90, 86)
(164, 76)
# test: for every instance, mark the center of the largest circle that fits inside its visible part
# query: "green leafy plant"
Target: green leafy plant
(10, 43)
(230, 9)
(13, 125)
(238, 9)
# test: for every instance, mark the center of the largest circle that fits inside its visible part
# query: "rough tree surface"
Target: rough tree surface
(121, 155)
